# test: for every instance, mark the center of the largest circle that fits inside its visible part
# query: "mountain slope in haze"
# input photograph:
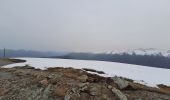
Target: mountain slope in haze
(29, 53)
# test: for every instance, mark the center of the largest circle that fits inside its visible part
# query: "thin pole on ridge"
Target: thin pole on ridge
(4, 53)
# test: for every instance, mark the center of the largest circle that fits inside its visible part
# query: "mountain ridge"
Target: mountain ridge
(29, 53)
(142, 51)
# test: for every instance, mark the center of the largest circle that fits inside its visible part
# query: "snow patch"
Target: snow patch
(142, 74)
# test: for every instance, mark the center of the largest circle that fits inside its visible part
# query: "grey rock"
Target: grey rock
(67, 97)
(122, 84)
(46, 92)
(119, 95)
(51, 76)
(72, 94)
(82, 78)
(109, 87)
(82, 84)
(95, 90)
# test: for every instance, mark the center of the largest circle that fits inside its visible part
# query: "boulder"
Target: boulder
(3, 92)
(119, 95)
(44, 82)
(121, 83)
(109, 87)
(82, 78)
(60, 90)
(94, 89)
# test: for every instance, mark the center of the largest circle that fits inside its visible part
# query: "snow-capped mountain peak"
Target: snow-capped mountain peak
(141, 51)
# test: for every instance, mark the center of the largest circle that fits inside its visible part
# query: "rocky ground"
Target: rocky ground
(27, 83)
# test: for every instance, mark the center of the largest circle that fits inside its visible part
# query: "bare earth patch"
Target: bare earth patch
(6, 61)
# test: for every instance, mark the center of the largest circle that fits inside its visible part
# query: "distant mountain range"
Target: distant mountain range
(146, 57)
(29, 53)
(140, 51)
(33, 53)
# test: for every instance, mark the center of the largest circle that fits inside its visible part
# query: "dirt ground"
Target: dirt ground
(6, 61)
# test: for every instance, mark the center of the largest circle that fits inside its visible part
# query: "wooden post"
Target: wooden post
(4, 53)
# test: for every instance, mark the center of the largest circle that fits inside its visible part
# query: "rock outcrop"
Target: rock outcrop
(27, 83)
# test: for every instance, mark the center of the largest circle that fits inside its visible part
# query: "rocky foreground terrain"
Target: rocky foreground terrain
(27, 83)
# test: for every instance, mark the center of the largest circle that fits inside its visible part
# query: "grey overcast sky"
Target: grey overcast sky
(84, 25)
